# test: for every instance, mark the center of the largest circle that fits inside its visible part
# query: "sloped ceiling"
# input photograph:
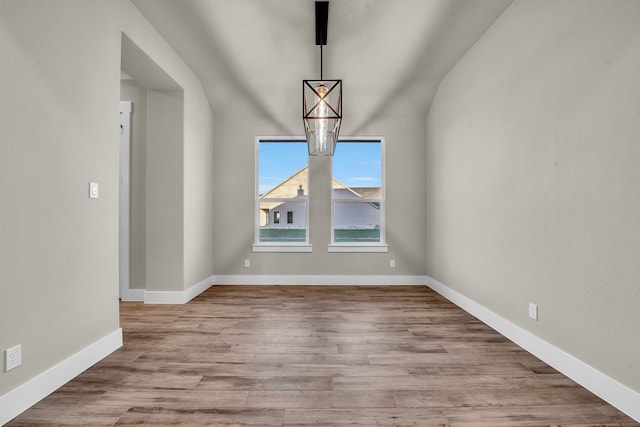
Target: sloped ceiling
(390, 54)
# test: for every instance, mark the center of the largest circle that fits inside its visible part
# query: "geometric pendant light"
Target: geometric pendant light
(322, 99)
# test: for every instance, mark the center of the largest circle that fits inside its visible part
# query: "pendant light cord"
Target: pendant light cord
(321, 63)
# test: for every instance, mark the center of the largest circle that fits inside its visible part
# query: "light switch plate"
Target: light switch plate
(93, 190)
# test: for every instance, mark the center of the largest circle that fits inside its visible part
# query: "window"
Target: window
(281, 186)
(358, 196)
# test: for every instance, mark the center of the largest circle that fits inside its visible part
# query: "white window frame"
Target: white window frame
(380, 246)
(276, 246)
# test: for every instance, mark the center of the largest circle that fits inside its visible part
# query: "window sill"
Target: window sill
(281, 248)
(358, 248)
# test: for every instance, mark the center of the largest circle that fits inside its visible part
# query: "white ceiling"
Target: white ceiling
(390, 54)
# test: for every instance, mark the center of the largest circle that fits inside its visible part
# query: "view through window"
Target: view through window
(357, 193)
(282, 189)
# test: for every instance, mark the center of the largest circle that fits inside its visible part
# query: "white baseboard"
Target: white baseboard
(183, 297)
(28, 394)
(608, 389)
(132, 295)
(178, 297)
(317, 280)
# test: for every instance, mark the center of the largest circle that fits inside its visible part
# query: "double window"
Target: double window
(357, 196)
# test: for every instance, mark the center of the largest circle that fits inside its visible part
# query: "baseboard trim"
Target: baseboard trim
(183, 297)
(318, 280)
(28, 394)
(178, 297)
(608, 389)
(133, 295)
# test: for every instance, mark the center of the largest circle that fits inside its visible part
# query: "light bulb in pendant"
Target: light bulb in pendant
(321, 124)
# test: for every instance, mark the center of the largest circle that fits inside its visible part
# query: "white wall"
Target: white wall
(196, 154)
(234, 150)
(165, 231)
(59, 119)
(533, 165)
(60, 130)
(199, 184)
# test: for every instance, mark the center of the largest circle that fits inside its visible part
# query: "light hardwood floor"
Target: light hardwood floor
(317, 355)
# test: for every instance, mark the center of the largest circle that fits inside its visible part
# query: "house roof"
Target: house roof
(288, 189)
(367, 192)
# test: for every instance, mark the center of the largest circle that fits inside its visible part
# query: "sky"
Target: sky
(355, 164)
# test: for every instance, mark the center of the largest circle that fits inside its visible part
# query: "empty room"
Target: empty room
(320, 213)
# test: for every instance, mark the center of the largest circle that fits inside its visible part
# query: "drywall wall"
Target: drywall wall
(132, 91)
(166, 125)
(194, 198)
(60, 127)
(235, 133)
(533, 166)
(59, 121)
(165, 233)
(199, 184)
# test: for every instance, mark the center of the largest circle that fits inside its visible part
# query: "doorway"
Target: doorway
(125, 197)
(151, 175)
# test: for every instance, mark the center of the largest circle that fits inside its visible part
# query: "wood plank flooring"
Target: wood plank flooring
(317, 356)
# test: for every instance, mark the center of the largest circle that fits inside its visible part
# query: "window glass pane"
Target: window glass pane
(357, 192)
(283, 189)
(356, 222)
(282, 169)
(296, 231)
(358, 164)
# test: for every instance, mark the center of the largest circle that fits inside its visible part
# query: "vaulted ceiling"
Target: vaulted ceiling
(390, 54)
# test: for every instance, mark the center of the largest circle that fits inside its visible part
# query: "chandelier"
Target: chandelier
(322, 99)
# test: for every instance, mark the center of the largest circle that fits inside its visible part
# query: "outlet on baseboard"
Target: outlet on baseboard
(12, 357)
(533, 311)
(247, 263)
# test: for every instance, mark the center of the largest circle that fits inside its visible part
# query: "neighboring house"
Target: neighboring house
(284, 214)
(292, 214)
(355, 216)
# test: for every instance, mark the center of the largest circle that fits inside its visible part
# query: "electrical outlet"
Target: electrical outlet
(392, 263)
(12, 357)
(247, 263)
(533, 311)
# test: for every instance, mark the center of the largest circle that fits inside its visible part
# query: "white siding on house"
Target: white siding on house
(354, 215)
(299, 216)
